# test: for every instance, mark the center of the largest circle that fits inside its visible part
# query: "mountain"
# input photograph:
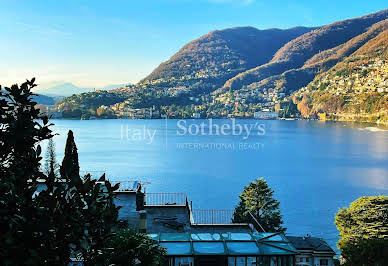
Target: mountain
(61, 89)
(293, 79)
(43, 99)
(206, 63)
(55, 89)
(239, 71)
(355, 89)
(297, 52)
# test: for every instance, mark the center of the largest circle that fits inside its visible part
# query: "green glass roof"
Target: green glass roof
(174, 237)
(225, 243)
(206, 237)
(269, 250)
(209, 248)
(236, 248)
(177, 248)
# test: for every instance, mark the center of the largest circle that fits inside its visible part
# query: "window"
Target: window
(274, 261)
(236, 261)
(240, 261)
(231, 261)
(263, 261)
(251, 261)
(184, 261)
(323, 262)
(307, 259)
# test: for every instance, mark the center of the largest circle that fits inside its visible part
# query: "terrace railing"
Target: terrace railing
(166, 198)
(212, 216)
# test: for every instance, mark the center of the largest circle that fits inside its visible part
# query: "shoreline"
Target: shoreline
(360, 124)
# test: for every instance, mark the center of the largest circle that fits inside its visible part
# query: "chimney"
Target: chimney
(139, 200)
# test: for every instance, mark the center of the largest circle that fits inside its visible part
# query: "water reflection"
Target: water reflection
(376, 178)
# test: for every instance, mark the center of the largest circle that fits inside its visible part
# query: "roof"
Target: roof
(187, 244)
(310, 243)
(220, 228)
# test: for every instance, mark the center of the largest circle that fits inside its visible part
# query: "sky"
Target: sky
(96, 43)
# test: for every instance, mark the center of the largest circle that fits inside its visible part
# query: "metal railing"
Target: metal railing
(166, 198)
(212, 216)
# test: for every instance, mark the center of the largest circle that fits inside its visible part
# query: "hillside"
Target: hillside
(239, 71)
(297, 52)
(291, 80)
(355, 89)
(43, 99)
(206, 63)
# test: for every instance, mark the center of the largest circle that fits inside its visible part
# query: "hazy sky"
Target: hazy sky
(95, 43)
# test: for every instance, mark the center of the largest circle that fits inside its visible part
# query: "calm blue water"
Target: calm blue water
(315, 168)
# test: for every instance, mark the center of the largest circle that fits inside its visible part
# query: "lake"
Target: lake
(314, 167)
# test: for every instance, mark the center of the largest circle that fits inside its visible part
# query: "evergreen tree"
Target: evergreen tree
(363, 229)
(257, 199)
(51, 165)
(70, 166)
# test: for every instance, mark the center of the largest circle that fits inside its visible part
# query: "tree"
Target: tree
(363, 229)
(24, 128)
(62, 220)
(70, 166)
(51, 165)
(289, 109)
(257, 199)
(131, 248)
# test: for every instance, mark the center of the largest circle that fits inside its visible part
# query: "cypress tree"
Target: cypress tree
(70, 166)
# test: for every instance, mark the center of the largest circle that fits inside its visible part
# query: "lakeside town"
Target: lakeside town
(353, 86)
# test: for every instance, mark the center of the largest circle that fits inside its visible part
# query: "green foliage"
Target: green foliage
(365, 252)
(131, 248)
(76, 113)
(288, 109)
(363, 229)
(20, 226)
(257, 198)
(70, 165)
(70, 216)
(91, 99)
